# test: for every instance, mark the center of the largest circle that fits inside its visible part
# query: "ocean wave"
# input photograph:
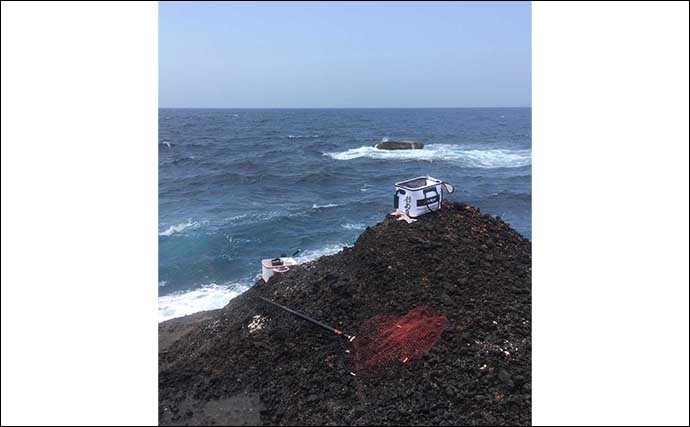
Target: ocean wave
(488, 159)
(183, 160)
(234, 178)
(312, 254)
(329, 205)
(213, 296)
(179, 228)
(264, 217)
(235, 218)
(318, 175)
(303, 136)
(503, 195)
(207, 297)
(357, 226)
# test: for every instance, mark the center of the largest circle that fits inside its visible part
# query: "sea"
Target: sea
(239, 185)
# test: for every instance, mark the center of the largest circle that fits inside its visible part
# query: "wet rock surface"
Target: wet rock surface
(289, 372)
(399, 145)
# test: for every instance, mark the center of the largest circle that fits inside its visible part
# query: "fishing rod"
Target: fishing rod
(309, 319)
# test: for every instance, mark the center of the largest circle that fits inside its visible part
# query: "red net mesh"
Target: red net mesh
(385, 340)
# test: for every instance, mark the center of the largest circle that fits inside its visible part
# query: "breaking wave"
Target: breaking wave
(328, 205)
(312, 254)
(179, 228)
(487, 159)
(207, 297)
(357, 226)
(303, 136)
(213, 296)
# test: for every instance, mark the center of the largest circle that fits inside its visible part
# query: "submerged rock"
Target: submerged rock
(399, 145)
(478, 373)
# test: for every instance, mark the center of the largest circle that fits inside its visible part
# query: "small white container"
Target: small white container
(268, 269)
(420, 195)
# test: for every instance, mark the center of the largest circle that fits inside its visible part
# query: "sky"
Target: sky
(344, 55)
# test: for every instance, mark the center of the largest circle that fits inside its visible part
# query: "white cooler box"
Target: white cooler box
(269, 267)
(420, 195)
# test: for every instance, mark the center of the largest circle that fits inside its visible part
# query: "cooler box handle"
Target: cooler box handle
(396, 200)
(426, 202)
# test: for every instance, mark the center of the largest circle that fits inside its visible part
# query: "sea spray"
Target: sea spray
(485, 159)
(207, 297)
(213, 296)
(181, 227)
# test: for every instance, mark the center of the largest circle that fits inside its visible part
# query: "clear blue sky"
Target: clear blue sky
(285, 55)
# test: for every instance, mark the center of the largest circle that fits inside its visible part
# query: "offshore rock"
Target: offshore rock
(399, 145)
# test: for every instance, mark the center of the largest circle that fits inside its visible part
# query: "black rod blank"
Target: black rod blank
(308, 319)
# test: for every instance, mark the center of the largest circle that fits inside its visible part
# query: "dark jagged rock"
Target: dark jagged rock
(399, 145)
(221, 367)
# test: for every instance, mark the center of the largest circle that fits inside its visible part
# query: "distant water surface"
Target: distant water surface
(236, 186)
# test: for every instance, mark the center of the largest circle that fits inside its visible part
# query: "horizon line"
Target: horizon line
(334, 108)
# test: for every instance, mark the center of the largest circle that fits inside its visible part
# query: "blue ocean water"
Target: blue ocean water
(236, 186)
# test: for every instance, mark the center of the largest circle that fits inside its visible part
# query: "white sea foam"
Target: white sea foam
(496, 158)
(302, 136)
(178, 228)
(329, 205)
(357, 226)
(312, 254)
(208, 297)
(213, 296)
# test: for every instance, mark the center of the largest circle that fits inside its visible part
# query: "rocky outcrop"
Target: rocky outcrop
(399, 145)
(251, 363)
